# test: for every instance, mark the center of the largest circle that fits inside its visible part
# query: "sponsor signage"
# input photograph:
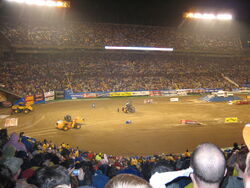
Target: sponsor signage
(174, 99)
(39, 98)
(155, 93)
(140, 93)
(29, 100)
(49, 96)
(102, 94)
(77, 95)
(89, 95)
(231, 120)
(120, 94)
(11, 122)
(59, 94)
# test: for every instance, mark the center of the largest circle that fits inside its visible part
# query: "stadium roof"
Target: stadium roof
(155, 12)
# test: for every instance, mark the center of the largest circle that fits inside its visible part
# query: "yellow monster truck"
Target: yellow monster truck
(21, 107)
(68, 123)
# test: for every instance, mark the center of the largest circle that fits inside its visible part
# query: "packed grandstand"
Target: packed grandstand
(89, 35)
(117, 71)
(41, 60)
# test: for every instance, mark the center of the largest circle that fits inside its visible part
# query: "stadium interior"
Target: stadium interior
(120, 110)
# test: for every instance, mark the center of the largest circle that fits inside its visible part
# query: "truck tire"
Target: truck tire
(26, 111)
(65, 128)
(77, 126)
(16, 111)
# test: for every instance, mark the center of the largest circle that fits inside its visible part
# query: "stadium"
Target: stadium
(116, 95)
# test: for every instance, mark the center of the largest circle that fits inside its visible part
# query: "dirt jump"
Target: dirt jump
(153, 129)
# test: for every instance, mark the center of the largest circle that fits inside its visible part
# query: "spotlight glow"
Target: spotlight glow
(137, 48)
(48, 3)
(209, 16)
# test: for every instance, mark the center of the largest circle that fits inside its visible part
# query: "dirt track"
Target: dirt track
(155, 127)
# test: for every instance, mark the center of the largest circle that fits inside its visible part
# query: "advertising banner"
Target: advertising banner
(49, 96)
(29, 100)
(11, 122)
(140, 93)
(231, 120)
(77, 95)
(174, 99)
(193, 91)
(39, 98)
(68, 94)
(211, 90)
(155, 93)
(169, 93)
(120, 94)
(21, 100)
(182, 92)
(102, 94)
(59, 94)
(90, 95)
(81, 95)
(244, 90)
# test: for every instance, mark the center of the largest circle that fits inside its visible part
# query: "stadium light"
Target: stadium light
(224, 17)
(48, 3)
(137, 48)
(209, 16)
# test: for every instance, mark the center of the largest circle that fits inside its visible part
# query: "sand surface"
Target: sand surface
(155, 127)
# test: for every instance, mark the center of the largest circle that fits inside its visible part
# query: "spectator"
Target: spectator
(160, 167)
(127, 181)
(159, 180)
(14, 164)
(246, 136)
(240, 165)
(8, 151)
(6, 180)
(209, 165)
(51, 177)
(247, 172)
(14, 141)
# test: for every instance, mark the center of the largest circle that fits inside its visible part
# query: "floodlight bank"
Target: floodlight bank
(48, 3)
(209, 16)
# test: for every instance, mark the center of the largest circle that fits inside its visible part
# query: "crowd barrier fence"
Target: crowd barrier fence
(70, 95)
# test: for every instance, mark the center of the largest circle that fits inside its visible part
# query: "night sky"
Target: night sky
(157, 12)
(142, 12)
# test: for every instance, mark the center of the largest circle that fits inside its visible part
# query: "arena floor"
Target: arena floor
(155, 128)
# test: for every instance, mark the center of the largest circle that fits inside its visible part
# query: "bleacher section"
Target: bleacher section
(86, 35)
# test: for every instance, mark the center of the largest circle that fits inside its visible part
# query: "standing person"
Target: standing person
(14, 141)
(93, 105)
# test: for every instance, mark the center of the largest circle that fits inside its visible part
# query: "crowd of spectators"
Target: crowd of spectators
(97, 35)
(26, 162)
(94, 72)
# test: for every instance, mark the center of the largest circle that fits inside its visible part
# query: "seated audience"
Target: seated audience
(51, 177)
